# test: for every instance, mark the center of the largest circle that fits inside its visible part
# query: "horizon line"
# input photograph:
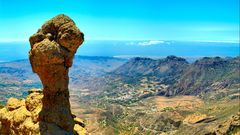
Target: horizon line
(204, 41)
(134, 56)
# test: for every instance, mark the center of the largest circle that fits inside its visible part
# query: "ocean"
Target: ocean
(15, 51)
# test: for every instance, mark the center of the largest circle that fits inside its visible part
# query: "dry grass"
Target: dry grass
(183, 102)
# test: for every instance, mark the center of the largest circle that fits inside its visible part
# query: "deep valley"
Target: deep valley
(144, 95)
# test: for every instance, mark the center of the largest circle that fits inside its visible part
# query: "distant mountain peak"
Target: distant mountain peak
(140, 59)
(210, 61)
(175, 58)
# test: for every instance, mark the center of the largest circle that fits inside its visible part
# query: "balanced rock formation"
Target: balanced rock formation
(51, 55)
(52, 51)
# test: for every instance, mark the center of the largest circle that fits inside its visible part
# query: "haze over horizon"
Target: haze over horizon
(185, 20)
(127, 49)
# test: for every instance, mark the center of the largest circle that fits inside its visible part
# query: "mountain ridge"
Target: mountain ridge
(181, 75)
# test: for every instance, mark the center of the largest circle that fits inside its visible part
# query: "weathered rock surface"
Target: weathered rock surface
(229, 127)
(195, 118)
(52, 51)
(51, 55)
(21, 117)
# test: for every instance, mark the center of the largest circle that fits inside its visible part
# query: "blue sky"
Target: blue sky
(185, 20)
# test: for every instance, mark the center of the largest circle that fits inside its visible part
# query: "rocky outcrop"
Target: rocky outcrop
(195, 118)
(51, 55)
(229, 127)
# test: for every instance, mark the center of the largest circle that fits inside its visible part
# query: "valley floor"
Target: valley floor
(160, 115)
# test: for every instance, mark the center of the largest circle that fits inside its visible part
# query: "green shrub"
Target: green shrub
(1, 106)
(166, 109)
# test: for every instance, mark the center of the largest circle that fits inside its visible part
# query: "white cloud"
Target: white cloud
(151, 42)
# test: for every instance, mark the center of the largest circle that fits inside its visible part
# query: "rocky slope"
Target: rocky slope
(166, 70)
(207, 74)
(182, 78)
